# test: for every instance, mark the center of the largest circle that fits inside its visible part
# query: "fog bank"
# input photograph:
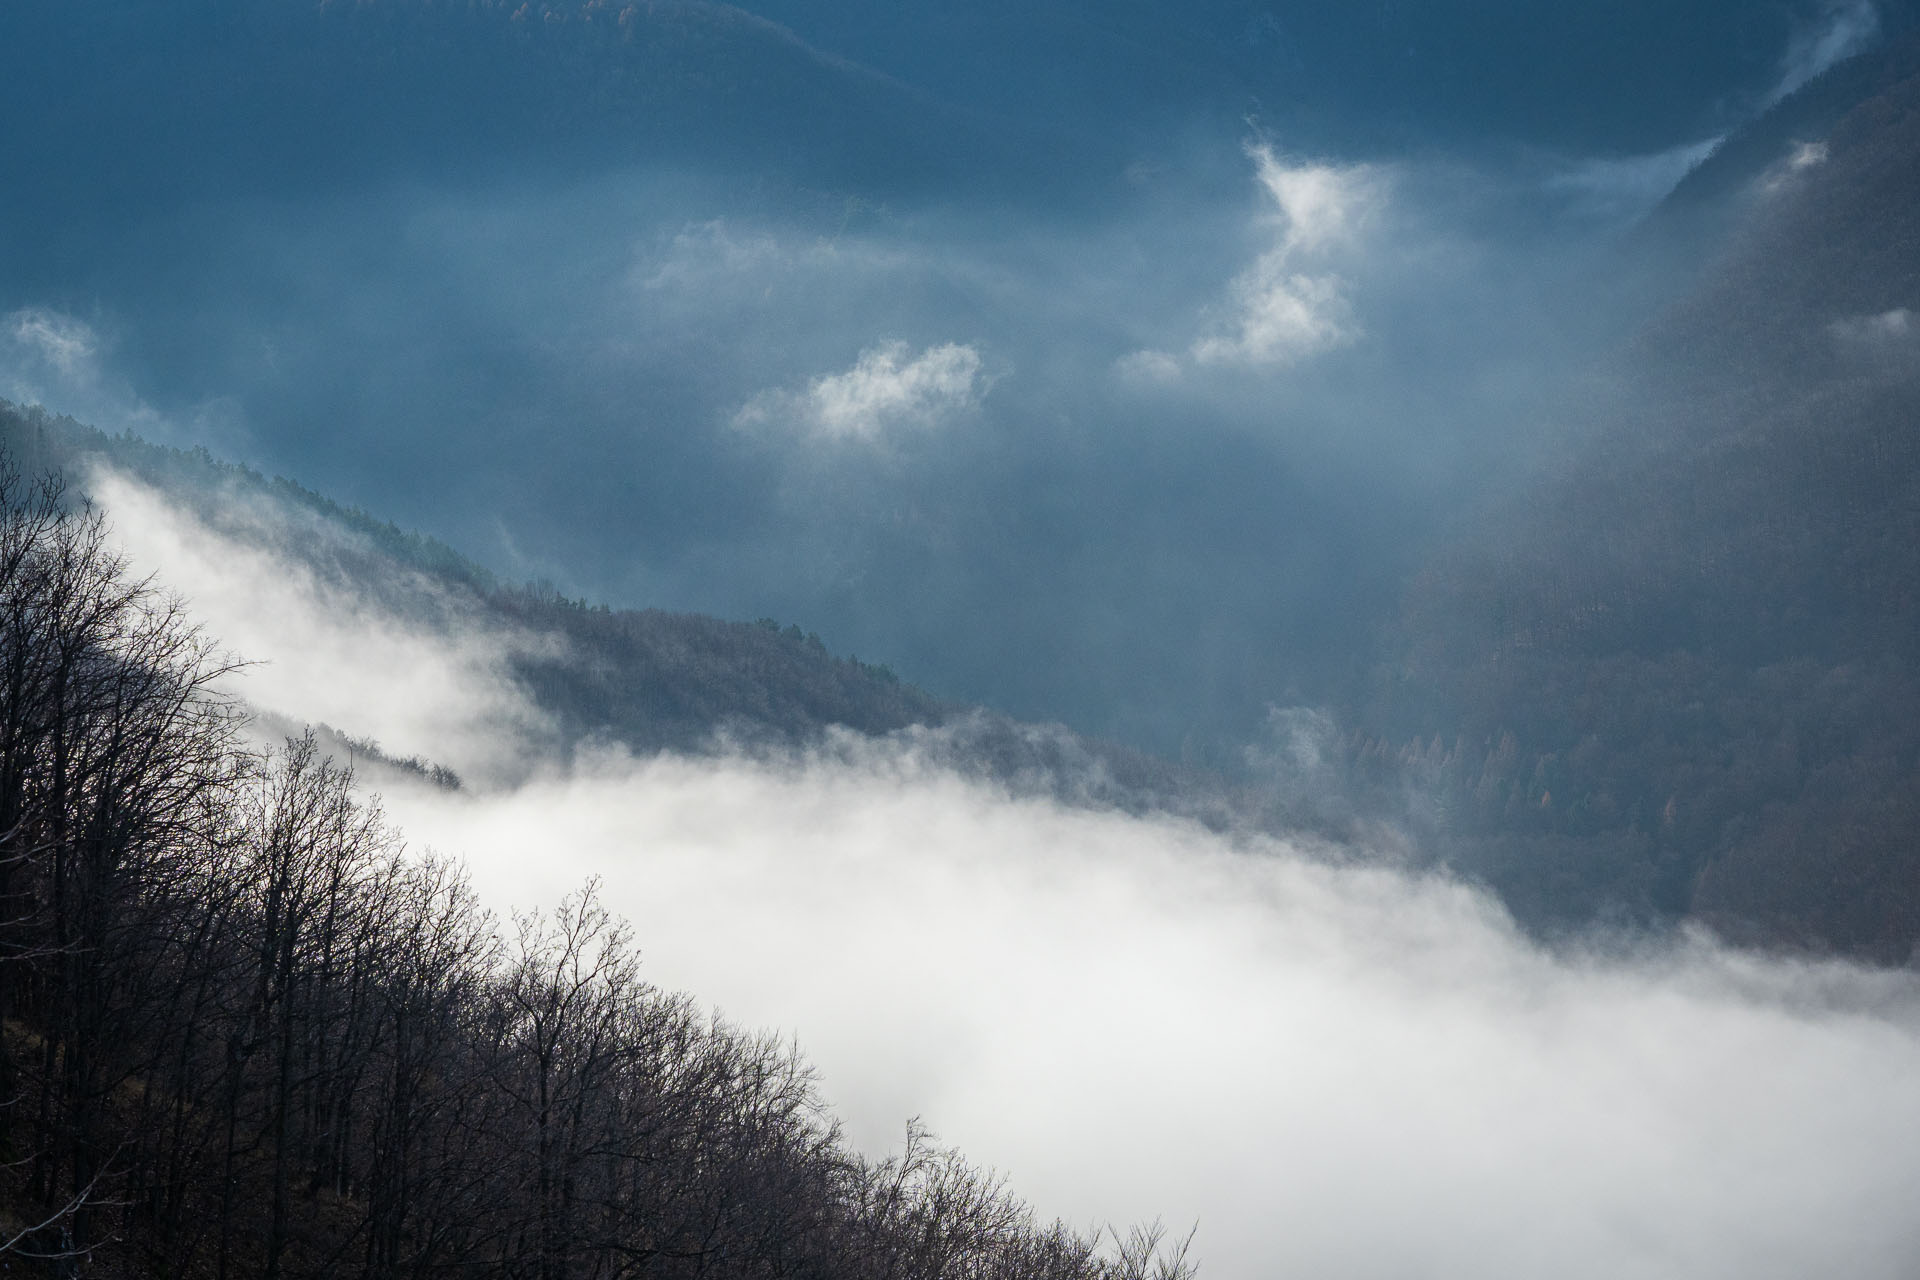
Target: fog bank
(1335, 1068)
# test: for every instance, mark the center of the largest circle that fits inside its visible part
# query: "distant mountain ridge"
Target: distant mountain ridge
(654, 679)
(648, 680)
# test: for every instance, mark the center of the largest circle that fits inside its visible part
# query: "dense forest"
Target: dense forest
(245, 1032)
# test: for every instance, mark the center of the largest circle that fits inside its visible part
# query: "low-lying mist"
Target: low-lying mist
(1332, 1066)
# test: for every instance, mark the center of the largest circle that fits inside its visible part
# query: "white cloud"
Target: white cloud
(703, 251)
(745, 259)
(1291, 303)
(888, 389)
(1279, 316)
(1337, 1069)
(59, 361)
(325, 648)
(1847, 28)
(1320, 206)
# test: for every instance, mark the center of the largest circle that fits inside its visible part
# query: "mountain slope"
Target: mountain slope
(1678, 680)
(645, 680)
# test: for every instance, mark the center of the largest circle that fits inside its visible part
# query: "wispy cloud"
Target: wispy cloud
(1622, 188)
(889, 389)
(56, 359)
(1800, 160)
(1846, 28)
(1805, 155)
(1888, 341)
(65, 342)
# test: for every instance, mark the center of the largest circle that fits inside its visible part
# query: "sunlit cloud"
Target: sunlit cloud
(57, 360)
(710, 249)
(1282, 309)
(1290, 303)
(732, 253)
(1336, 1069)
(1318, 206)
(889, 389)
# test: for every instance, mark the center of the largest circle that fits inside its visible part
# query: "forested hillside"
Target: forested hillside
(1679, 678)
(244, 1032)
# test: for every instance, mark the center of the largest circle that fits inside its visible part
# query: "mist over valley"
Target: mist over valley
(1288, 624)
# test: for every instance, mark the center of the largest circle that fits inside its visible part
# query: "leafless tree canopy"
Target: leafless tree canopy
(245, 1033)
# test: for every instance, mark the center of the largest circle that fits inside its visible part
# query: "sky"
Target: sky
(1110, 364)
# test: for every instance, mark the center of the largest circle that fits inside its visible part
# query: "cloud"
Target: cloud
(1887, 329)
(1624, 188)
(1288, 305)
(49, 357)
(1889, 341)
(1805, 155)
(1800, 159)
(1320, 206)
(1336, 1068)
(700, 252)
(327, 647)
(889, 389)
(65, 342)
(1147, 368)
(1848, 27)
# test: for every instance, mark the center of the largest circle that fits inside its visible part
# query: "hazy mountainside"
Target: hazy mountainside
(649, 680)
(1680, 678)
(1807, 116)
